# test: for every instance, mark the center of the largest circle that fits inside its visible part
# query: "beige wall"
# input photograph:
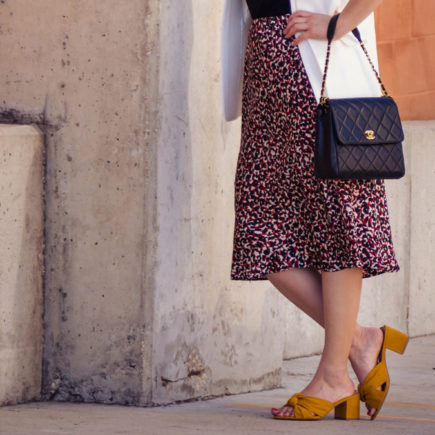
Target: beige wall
(21, 265)
(138, 305)
(79, 69)
(204, 323)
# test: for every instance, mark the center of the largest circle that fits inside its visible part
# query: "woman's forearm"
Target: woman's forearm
(353, 13)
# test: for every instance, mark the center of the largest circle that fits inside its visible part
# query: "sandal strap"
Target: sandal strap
(368, 390)
(305, 406)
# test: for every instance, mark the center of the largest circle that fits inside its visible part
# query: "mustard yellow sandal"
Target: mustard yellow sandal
(378, 376)
(313, 408)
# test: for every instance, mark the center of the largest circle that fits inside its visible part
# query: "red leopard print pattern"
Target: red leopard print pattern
(285, 217)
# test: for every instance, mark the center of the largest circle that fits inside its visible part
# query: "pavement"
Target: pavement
(410, 408)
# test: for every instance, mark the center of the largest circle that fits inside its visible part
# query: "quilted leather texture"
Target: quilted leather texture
(376, 161)
(342, 147)
(354, 117)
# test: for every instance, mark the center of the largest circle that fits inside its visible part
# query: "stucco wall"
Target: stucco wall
(406, 45)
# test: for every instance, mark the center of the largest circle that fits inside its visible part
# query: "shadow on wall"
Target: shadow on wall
(175, 172)
(174, 340)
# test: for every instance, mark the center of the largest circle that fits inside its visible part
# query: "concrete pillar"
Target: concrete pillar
(86, 72)
(139, 308)
(211, 336)
(21, 266)
(422, 223)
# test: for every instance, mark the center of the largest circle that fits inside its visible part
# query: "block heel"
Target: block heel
(349, 409)
(395, 340)
(375, 387)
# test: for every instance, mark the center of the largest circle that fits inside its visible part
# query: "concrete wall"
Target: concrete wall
(209, 332)
(138, 305)
(422, 240)
(21, 266)
(80, 70)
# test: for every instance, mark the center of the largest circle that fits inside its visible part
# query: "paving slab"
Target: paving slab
(410, 408)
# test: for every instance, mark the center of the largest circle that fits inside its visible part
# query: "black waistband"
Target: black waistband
(268, 8)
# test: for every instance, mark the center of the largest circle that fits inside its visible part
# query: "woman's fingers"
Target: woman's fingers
(295, 22)
(298, 23)
(294, 27)
(298, 27)
(296, 19)
(308, 25)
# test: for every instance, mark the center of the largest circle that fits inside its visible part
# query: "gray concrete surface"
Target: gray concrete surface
(422, 224)
(81, 70)
(21, 264)
(410, 408)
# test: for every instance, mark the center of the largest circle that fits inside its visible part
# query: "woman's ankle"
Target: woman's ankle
(358, 337)
(364, 337)
(333, 375)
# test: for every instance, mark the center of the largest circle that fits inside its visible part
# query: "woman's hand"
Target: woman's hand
(310, 24)
(315, 26)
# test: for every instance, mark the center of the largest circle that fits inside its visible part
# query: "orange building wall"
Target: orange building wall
(406, 46)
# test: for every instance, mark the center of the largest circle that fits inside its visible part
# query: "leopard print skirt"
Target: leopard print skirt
(285, 217)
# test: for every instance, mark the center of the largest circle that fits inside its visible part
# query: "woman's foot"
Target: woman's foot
(364, 352)
(331, 388)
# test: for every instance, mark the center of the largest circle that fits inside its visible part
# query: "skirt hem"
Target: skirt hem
(367, 273)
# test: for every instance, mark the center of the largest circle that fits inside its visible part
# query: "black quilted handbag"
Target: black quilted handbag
(357, 137)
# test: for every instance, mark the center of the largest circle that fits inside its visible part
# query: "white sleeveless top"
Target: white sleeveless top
(349, 73)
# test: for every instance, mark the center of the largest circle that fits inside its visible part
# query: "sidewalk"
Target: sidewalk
(410, 408)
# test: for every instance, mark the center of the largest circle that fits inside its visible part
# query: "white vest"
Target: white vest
(349, 73)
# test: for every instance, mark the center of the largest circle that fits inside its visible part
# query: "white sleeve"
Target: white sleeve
(235, 26)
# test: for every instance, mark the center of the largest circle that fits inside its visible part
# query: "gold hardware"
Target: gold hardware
(370, 134)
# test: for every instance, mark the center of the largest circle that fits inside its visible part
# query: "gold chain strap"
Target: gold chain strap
(323, 99)
(384, 90)
(325, 71)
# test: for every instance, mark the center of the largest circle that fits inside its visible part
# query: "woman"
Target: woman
(313, 239)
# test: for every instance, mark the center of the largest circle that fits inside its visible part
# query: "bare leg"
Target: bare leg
(341, 299)
(304, 288)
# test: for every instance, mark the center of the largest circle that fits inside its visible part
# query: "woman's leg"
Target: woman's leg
(303, 287)
(339, 297)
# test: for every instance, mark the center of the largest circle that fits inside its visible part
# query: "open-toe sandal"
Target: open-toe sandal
(375, 387)
(313, 408)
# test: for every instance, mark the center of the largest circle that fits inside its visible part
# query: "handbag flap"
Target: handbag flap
(366, 121)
